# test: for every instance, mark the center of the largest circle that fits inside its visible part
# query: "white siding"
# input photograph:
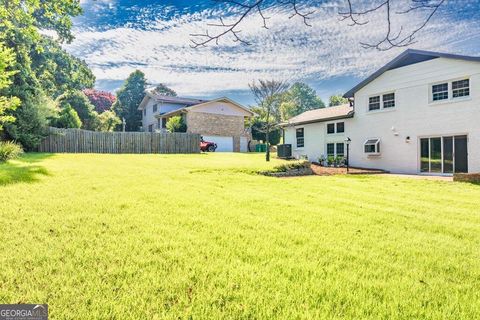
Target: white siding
(315, 139)
(414, 116)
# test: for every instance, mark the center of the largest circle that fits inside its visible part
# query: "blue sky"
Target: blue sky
(115, 37)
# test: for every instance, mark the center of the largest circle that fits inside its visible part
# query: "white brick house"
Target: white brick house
(420, 113)
(220, 120)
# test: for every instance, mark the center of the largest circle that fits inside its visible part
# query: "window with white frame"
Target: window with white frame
(388, 100)
(155, 107)
(461, 88)
(145, 112)
(300, 138)
(333, 128)
(340, 149)
(382, 101)
(374, 103)
(331, 149)
(440, 91)
(372, 146)
(450, 90)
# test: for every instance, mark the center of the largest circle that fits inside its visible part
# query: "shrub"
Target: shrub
(292, 165)
(9, 150)
(68, 118)
(176, 124)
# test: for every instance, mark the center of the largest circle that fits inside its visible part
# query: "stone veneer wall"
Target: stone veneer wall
(217, 125)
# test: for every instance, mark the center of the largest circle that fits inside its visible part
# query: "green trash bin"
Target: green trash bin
(261, 147)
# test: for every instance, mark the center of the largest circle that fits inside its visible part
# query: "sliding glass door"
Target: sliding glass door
(444, 154)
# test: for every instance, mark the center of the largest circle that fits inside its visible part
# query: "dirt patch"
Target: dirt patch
(328, 171)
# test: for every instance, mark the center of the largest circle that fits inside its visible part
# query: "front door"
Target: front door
(444, 154)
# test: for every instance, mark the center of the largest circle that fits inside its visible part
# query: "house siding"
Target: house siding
(413, 116)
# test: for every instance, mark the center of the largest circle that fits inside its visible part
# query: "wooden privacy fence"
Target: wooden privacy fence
(83, 141)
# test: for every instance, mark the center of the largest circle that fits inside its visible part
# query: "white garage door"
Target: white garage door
(224, 144)
(243, 144)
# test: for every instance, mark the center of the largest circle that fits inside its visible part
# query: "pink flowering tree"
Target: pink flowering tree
(102, 100)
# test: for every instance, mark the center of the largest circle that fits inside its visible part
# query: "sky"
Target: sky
(116, 37)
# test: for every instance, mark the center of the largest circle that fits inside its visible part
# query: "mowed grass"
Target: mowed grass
(203, 237)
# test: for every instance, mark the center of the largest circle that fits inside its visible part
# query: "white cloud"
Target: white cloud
(288, 50)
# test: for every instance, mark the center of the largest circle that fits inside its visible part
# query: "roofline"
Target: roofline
(379, 72)
(288, 124)
(224, 99)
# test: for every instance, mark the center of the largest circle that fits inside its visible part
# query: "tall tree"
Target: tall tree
(58, 71)
(164, 90)
(20, 25)
(128, 99)
(7, 59)
(298, 99)
(337, 100)
(268, 96)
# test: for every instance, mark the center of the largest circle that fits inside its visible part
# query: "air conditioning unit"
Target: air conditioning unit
(284, 151)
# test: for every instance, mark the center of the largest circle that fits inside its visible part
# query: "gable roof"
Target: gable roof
(406, 58)
(168, 99)
(320, 115)
(188, 108)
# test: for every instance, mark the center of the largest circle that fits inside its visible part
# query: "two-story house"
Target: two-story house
(220, 120)
(420, 113)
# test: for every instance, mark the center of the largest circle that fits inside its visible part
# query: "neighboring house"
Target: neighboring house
(220, 120)
(420, 113)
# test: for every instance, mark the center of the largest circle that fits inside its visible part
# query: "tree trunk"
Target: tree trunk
(267, 140)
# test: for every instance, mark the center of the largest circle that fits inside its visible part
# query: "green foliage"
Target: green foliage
(58, 71)
(291, 165)
(129, 98)
(31, 121)
(337, 100)
(7, 104)
(176, 124)
(164, 90)
(298, 99)
(9, 150)
(108, 120)
(68, 118)
(258, 131)
(82, 106)
(36, 59)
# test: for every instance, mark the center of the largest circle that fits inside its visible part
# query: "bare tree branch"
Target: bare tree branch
(247, 8)
(391, 39)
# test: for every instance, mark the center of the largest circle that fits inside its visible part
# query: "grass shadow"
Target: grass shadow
(23, 169)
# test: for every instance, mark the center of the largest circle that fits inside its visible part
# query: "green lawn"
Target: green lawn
(202, 236)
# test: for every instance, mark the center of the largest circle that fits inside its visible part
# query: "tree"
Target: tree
(108, 120)
(258, 131)
(57, 71)
(7, 104)
(67, 118)
(337, 100)
(176, 124)
(82, 106)
(101, 100)
(268, 95)
(298, 99)
(129, 98)
(394, 36)
(164, 90)
(20, 25)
